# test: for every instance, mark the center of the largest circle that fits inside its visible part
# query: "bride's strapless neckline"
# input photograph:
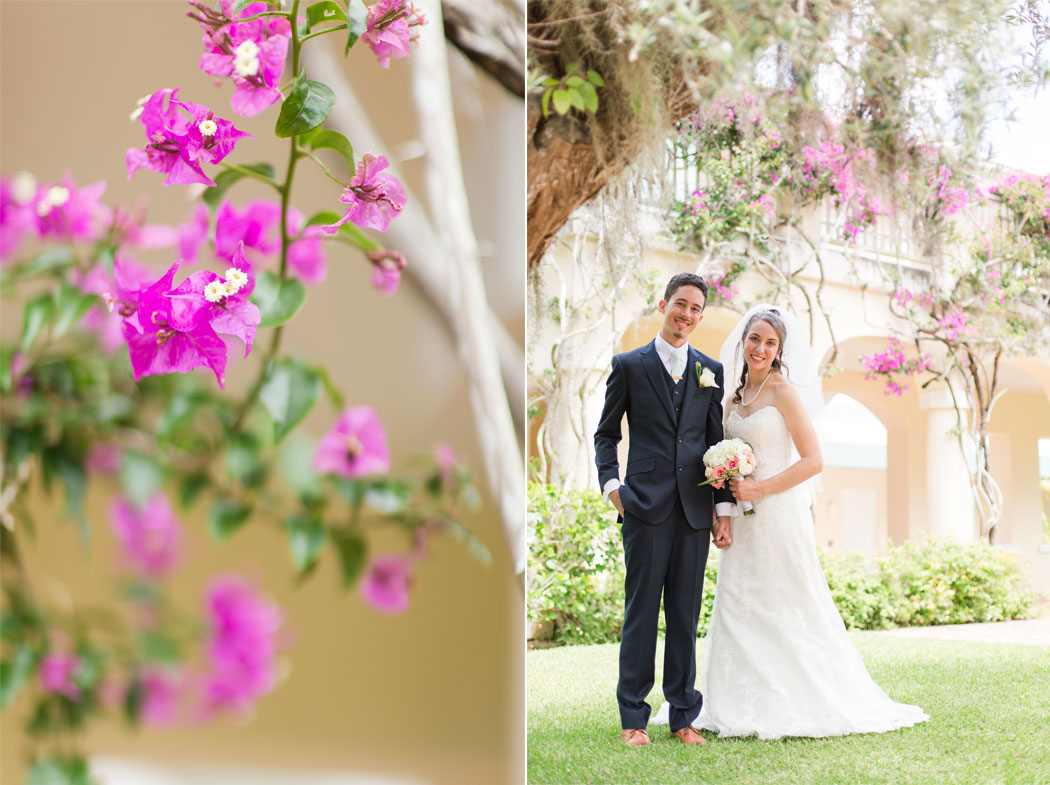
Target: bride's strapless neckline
(754, 413)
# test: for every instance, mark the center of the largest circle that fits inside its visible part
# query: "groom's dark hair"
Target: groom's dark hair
(685, 279)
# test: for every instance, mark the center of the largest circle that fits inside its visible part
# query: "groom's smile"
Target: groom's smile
(682, 313)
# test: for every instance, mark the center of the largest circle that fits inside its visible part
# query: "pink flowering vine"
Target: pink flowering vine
(374, 196)
(252, 53)
(356, 445)
(391, 29)
(180, 137)
(150, 537)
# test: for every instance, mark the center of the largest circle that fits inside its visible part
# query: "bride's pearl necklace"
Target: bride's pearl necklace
(759, 392)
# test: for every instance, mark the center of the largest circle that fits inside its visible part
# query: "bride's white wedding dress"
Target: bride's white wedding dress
(777, 660)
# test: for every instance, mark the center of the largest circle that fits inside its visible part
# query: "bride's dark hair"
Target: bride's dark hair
(772, 318)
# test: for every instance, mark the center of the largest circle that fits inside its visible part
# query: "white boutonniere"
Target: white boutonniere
(705, 377)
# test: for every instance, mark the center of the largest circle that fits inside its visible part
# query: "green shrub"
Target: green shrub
(948, 582)
(576, 570)
(576, 576)
(575, 564)
(862, 596)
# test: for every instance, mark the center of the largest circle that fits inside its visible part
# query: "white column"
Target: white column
(949, 499)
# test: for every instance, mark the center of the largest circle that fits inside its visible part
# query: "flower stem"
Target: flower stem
(325, 169)
(322, 32)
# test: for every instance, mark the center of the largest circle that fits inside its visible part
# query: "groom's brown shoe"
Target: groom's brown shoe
(688, 735)
(635, 737)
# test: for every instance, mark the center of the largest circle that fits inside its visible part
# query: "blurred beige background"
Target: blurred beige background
(437, 693)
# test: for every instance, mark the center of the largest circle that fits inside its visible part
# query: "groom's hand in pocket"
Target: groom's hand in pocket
(614, 497)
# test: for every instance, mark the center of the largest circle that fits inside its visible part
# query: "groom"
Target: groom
(672, 396)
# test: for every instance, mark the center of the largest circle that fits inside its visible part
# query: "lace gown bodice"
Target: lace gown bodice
(777, 659)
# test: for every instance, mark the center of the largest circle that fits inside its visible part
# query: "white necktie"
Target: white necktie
(678, 361)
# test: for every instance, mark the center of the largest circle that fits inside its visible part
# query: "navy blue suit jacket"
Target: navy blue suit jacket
(665, 459)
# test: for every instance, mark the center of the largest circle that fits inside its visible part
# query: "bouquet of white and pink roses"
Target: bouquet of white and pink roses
(730, 459)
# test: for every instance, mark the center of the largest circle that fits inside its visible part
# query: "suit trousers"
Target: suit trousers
(666, 559)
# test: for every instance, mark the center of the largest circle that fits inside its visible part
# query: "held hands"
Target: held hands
(614, 497)
(745, 490)
(722, 532)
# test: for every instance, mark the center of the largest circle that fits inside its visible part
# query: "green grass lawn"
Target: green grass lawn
(989, 706)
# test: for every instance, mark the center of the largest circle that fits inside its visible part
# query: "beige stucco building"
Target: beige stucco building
(893, 468)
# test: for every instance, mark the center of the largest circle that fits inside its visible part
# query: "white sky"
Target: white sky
(1024, 144)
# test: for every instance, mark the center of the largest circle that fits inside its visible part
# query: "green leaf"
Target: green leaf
(325, 11)
(550, 81)
(224, 179)
(305, 108)
(356, 23)
(333, 140)
(352, 550)
(242, 455)
(351, 232)
(49, 259)
(350, 488)
(595, 79)
(37, 314)
(574, 81)
(294, 460)
(159, 647)
(590, 97)
(75, 481)
(576, 99)
(13, 673)
(387, 496)
(140, 477)
(278, 301)
(546, 101)
(562, 101)
(306, 537)
(226, 517)
(192, 487)
(571, 68)
(71, 305)
(288, 392)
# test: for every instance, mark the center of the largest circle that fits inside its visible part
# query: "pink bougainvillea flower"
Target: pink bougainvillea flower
(242, 645)
(258, 227)
(107, 321)
(251, 53)
(446, 461)
(374, 196)
(57, 671)
(104, 458)
(17, 216)
(150, 537)
(306, 257)
(192, 233)
(162, 690)
(226, 308)
(387, 273)
(67, 212)
(180, 136)
(355, 446)
(386, 584)
(390, 29)
(172, 335)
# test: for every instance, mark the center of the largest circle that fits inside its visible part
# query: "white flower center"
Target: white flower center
(215, 291)
(56, 197)
(248, 49)
(235, 280)
(208, 127)
(246, 66)
(139, 106)
(23, 188)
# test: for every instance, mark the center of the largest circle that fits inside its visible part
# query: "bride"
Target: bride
(777, 660)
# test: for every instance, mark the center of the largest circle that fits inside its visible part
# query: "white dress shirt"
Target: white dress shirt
(664, 350)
